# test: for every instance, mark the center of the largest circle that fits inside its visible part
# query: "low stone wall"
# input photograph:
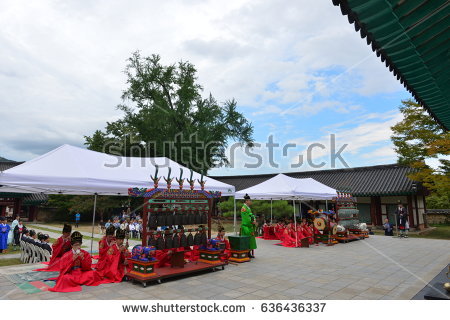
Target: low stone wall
(438, 216)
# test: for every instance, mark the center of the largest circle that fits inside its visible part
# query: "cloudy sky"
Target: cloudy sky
(299, 72)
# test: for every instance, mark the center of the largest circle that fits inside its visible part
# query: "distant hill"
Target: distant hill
(3, 159)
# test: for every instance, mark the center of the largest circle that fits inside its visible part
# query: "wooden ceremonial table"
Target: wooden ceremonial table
(169, 272)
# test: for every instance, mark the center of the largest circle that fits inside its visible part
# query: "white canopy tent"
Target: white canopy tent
(283, 187)
(73, 170)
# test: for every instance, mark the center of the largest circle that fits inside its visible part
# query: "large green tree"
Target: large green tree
(418, 138)
(166, 115)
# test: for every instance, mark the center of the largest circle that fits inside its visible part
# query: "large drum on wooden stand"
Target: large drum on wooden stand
(331, 228)
(325, 225)
(320, 223)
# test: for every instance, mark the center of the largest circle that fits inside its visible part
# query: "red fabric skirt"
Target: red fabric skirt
(72, 281)
(269, 233)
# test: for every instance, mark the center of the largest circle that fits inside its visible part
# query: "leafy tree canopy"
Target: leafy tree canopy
(418, 138)
(280, 208)
(166, 115)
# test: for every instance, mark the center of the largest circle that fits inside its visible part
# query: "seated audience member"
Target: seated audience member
(45, 239)
(388, 228)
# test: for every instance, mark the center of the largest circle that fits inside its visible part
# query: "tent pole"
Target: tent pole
(295, 225)
(326, 205)
(93, 220)
(270, 211)
(235, 219)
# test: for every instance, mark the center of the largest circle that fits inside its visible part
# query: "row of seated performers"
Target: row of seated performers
(191, 253)
(75, 264)
(289, 233)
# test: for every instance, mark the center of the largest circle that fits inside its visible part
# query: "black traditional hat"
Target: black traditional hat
(247, 197)
(120, 234)
(110, 230)
(76, 237)
(67, 228)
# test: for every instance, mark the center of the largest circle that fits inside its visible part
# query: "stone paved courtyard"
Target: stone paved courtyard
(376, 268)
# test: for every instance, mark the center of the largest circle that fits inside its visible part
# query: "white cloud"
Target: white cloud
(61, 62)
(364, 135)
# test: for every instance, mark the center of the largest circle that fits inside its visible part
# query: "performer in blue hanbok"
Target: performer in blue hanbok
(4, 231)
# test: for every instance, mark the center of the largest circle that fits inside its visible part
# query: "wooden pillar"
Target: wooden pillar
(417, 211)
(3, 211)
(378, 211)
(373, 210)
(17, 207)
(211, 204)
(410, 211)
(31, 213)
(425, 220)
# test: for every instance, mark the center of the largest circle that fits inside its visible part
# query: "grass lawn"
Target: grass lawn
(9, 262)
(57, 225)
(442, 231)
(12, 249)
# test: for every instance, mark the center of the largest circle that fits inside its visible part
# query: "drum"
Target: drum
(320, 223)
(332, 226)
(325, 225)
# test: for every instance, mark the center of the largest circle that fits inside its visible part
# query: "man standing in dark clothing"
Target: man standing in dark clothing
(402, 219)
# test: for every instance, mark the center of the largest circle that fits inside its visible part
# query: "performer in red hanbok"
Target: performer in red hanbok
(75, 268)
(59, 248)
(103, 246)
(307, 231)
(279, 230)
(221, 237)
(289, 237)
(113, 263)
(314, 231)
(269, 231)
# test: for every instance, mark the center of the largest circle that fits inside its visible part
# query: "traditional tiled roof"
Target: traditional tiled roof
(5, 165)
(362, 181)
(412, 38)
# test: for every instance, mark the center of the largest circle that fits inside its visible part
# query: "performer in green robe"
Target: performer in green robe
(248, 224)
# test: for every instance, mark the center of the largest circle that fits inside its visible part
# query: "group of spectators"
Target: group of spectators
(402, 223)
(130, 222)
(34, 246)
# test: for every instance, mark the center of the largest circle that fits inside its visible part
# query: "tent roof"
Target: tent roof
(411, 37)
(284, 187)
(72, 170)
